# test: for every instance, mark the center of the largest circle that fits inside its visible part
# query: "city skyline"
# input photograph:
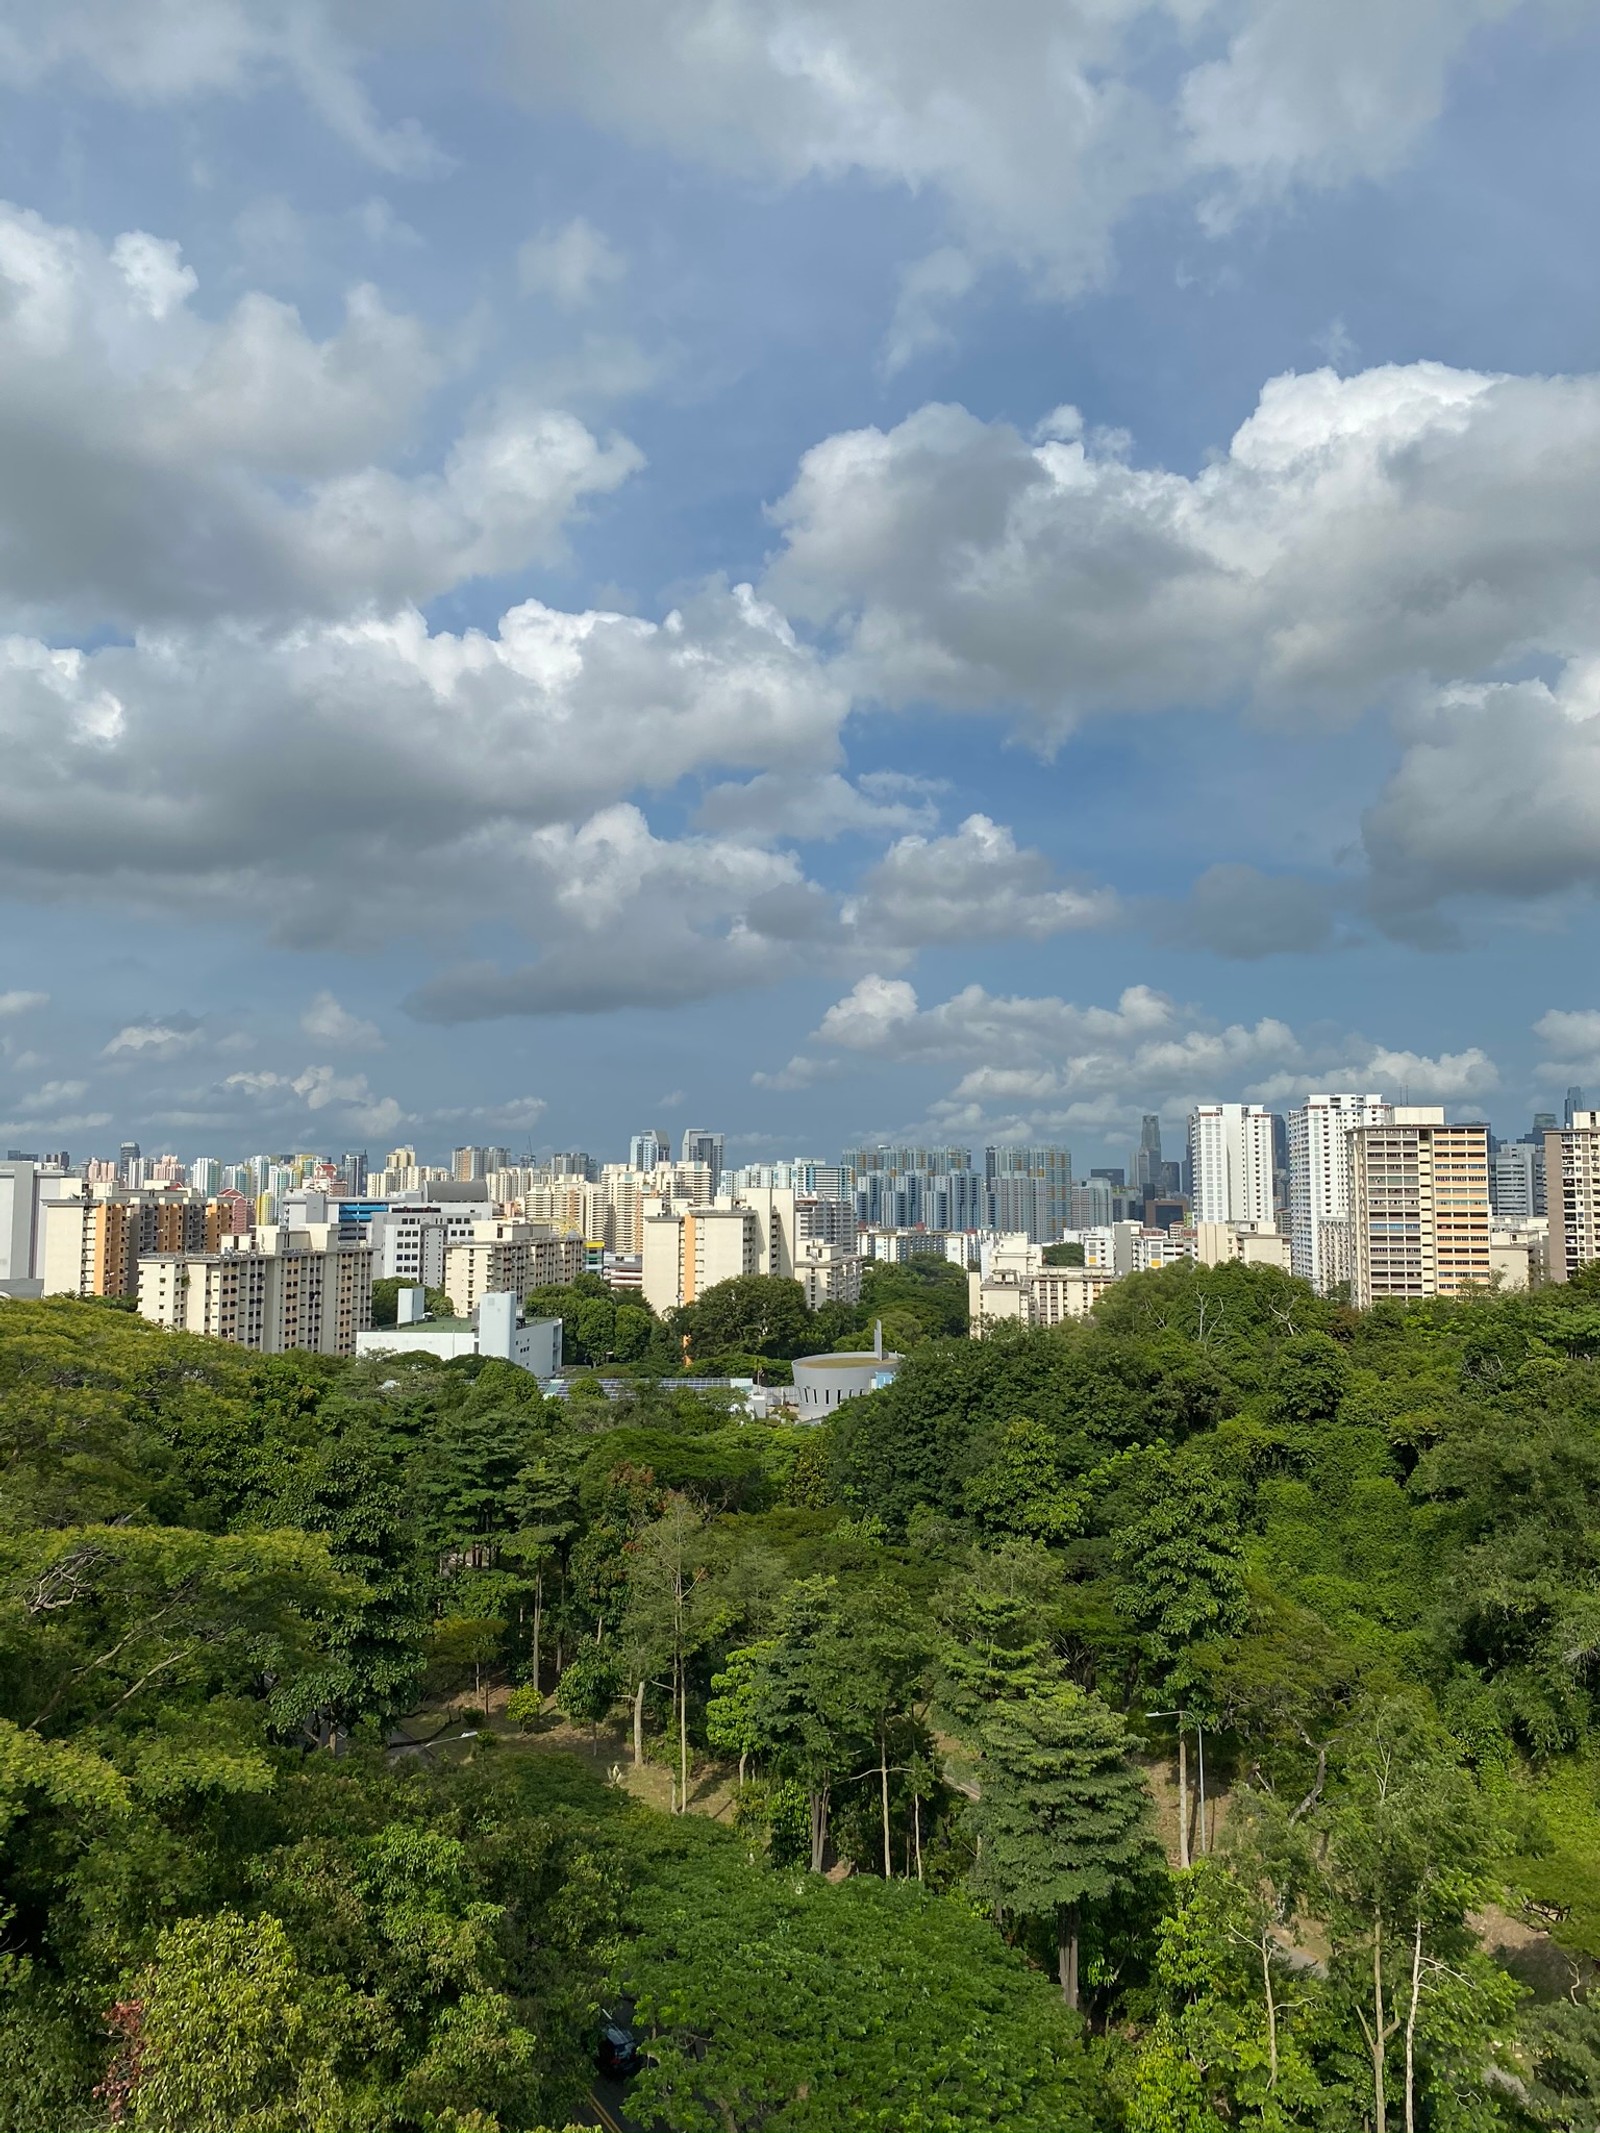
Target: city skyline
(547, 584)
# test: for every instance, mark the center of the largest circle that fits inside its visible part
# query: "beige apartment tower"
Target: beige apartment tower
(1418, 1207)
(1572, 1191)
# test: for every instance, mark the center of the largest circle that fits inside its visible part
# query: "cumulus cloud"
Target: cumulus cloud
(22, 1003)
(1360, 537)
(230, 771)
(326, 1022)
(570, 264)
(1497, 793)
(165, 467)
(1040, 126)
(640, 920)
(348, 1098)
(972, 886)
(1044, 1064)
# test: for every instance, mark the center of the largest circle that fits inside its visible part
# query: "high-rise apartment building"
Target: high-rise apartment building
(648, 1151)
(1319, 1183)
(1230, 1154)
(1030, 1190)
(1572, 1183)
(1418, 1207)
(281, 1289)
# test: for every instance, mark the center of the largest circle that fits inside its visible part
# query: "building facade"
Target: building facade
(1230, 1156)
(1418, 1207)
(1572, 1182)
(1319, 1183)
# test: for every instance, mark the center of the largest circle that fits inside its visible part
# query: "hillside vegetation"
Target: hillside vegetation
(939, 1650)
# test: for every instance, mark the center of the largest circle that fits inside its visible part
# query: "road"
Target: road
(604, 2108)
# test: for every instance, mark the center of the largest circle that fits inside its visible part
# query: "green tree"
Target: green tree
(777, 2000)
(753, 1314)
(217, 2038)
(1063, 1818)
(1410, 1844)
(1181, 1584)
(386, 1302)
(1021, 1489)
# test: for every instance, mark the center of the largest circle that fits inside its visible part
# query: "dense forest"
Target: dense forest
(1181, 1722)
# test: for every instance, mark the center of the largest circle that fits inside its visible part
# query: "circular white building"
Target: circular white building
(824, 1382)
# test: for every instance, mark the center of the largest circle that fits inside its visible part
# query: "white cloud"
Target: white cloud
(168, 467)
(1571, 1036)
(1043, 1064)
(347, 1098)
(1497, 793)
(22, 1003)
(164, 51)
(975, 885)
(231, 771)
(326, 1022)
(154, 1040)
(570, 264)
(1041, 126)
(800, 1073)
(1359, 535)
(819, 807)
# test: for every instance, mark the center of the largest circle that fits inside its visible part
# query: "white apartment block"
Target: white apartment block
(1048, 1296)
(1230, 1154)
(1419, 1207)
(502, 1257)
(1319, 1183)
(829, 1273)
(685, 1254)
(1244, 1243)
(1572, 1186)
(279, 1290)
(409, 1243)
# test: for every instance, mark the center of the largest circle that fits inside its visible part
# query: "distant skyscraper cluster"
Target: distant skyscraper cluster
(1351, 1191)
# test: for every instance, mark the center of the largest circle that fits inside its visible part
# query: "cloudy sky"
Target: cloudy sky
(812, 567)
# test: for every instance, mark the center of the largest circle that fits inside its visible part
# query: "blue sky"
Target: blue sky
(815, 569)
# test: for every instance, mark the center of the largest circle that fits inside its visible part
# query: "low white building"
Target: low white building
(497, 1329)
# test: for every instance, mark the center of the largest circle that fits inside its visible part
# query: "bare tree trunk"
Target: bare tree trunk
(1183, 1794)
(883, 1779)
(819, 1830)
(1067, 1952)
(538, 1624)
(744, 1757)
(1411, 2030)
(1272, 2009)
(683, 1737)
(638, 1724)
(1380, 2106)
(916, 1825)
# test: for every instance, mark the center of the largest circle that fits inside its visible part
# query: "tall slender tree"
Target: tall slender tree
(1063, 1818)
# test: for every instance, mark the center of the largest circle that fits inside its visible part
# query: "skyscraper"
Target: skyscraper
(702, 1146)
(1574, 1105)
(1419, 1207)
(1319, 1182)
(648, 1151)
(1149, 1171)
(1030, 1189)
(1230, 1153)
